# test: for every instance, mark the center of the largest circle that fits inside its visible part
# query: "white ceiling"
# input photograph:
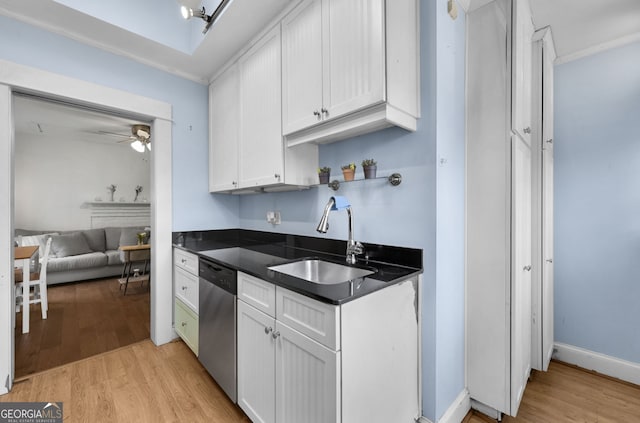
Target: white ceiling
(236, 27)
(36, 117)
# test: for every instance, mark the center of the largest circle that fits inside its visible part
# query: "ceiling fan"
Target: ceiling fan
(140, 137)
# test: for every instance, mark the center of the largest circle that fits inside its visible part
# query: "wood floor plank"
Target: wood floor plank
(140, 382)
(569, 394)
(84, 319)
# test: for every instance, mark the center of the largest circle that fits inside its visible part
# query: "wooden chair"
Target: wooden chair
(37, 281)
(131, 254)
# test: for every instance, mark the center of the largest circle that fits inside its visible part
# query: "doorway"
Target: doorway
(66, 160)
(18, 78)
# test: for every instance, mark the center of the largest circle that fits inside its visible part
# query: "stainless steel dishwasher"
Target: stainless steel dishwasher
(217, 324)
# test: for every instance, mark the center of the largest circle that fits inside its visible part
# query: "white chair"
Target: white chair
(37, 281)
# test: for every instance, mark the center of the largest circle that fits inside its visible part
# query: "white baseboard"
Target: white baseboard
(590, 360)
(456, 411)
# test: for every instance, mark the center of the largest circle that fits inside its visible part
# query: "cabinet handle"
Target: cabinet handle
(277, 176)
(234, 183)
(527, 268)
(184, 324)
(268, 330)
(316, 114)
(275, 335)
(527, 130)
(184, 288)
(183, 261)
(325, 112)
(549, 141)
(549, 260)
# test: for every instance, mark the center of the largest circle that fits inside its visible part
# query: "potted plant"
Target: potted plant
(324, 174)
(349, 171)
(370, 167)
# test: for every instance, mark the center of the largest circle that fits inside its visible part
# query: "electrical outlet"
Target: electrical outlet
(273, 217)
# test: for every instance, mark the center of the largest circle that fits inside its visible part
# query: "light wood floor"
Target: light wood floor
(137, 383)
(84, 319)
(568, 394)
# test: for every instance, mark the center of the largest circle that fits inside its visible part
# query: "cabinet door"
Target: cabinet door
(186, 325)
(224, 127)
(302, 67)
(521, 270)
(353, 52)
(307, 379)
(256, 364)
(522, 73)
(261, 146)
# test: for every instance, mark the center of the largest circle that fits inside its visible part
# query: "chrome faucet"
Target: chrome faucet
(353, 247)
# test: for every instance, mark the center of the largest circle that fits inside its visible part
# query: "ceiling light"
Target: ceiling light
(190, 9)
(138, 146)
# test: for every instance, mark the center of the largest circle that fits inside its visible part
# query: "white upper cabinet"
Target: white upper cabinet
(353, 47)
(522, 69)
(224, 126)
(302, 67)
(261, 146)
(349, 67)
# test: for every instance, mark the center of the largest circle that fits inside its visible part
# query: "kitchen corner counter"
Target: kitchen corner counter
(252, 252)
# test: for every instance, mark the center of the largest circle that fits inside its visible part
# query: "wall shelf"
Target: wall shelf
(394, 179)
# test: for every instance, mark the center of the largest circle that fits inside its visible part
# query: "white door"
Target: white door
(256, 364)
(224, 126)
(307, 388)
(521, 270)
(547, 255)
(261, 147)
(354, 51)
(522, 72)
(302, 67)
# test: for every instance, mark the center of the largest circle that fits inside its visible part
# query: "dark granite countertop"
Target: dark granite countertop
(252, 252)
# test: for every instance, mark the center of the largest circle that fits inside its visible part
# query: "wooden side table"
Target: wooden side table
(135, 254)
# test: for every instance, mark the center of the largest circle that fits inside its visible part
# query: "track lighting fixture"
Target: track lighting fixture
(190, 10)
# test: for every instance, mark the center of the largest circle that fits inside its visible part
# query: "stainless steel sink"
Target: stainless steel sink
(322, 272)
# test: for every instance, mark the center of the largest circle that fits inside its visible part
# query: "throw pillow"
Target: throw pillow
(71, 244)
(96, 239)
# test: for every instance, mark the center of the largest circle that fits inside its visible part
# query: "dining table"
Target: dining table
(22, 259)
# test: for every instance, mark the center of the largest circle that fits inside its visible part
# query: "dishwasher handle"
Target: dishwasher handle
(218, 275)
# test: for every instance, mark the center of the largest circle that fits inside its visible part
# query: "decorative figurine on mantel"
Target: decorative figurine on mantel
(112, 190)
(138, 191)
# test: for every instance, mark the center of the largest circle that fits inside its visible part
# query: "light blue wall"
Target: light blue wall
(193, 207)
(450, 149)
(426, 211)
(597, 202)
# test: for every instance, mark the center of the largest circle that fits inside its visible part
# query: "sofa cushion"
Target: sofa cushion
(69, 245)
(96, 239)
(83, 261)
(114, 257)
(112, 237)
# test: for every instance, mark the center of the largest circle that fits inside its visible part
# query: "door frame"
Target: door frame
(25, 79)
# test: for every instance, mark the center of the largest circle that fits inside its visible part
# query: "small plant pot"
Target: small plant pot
(324, 178)
(348, 174)
(370, 172)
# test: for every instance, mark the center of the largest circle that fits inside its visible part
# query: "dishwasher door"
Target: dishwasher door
(217, 327)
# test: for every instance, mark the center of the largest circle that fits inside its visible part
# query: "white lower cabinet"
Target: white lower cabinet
(256, 364)
(287, 376)
(307, 379)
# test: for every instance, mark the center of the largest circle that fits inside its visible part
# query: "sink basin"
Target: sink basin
(320, 271)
